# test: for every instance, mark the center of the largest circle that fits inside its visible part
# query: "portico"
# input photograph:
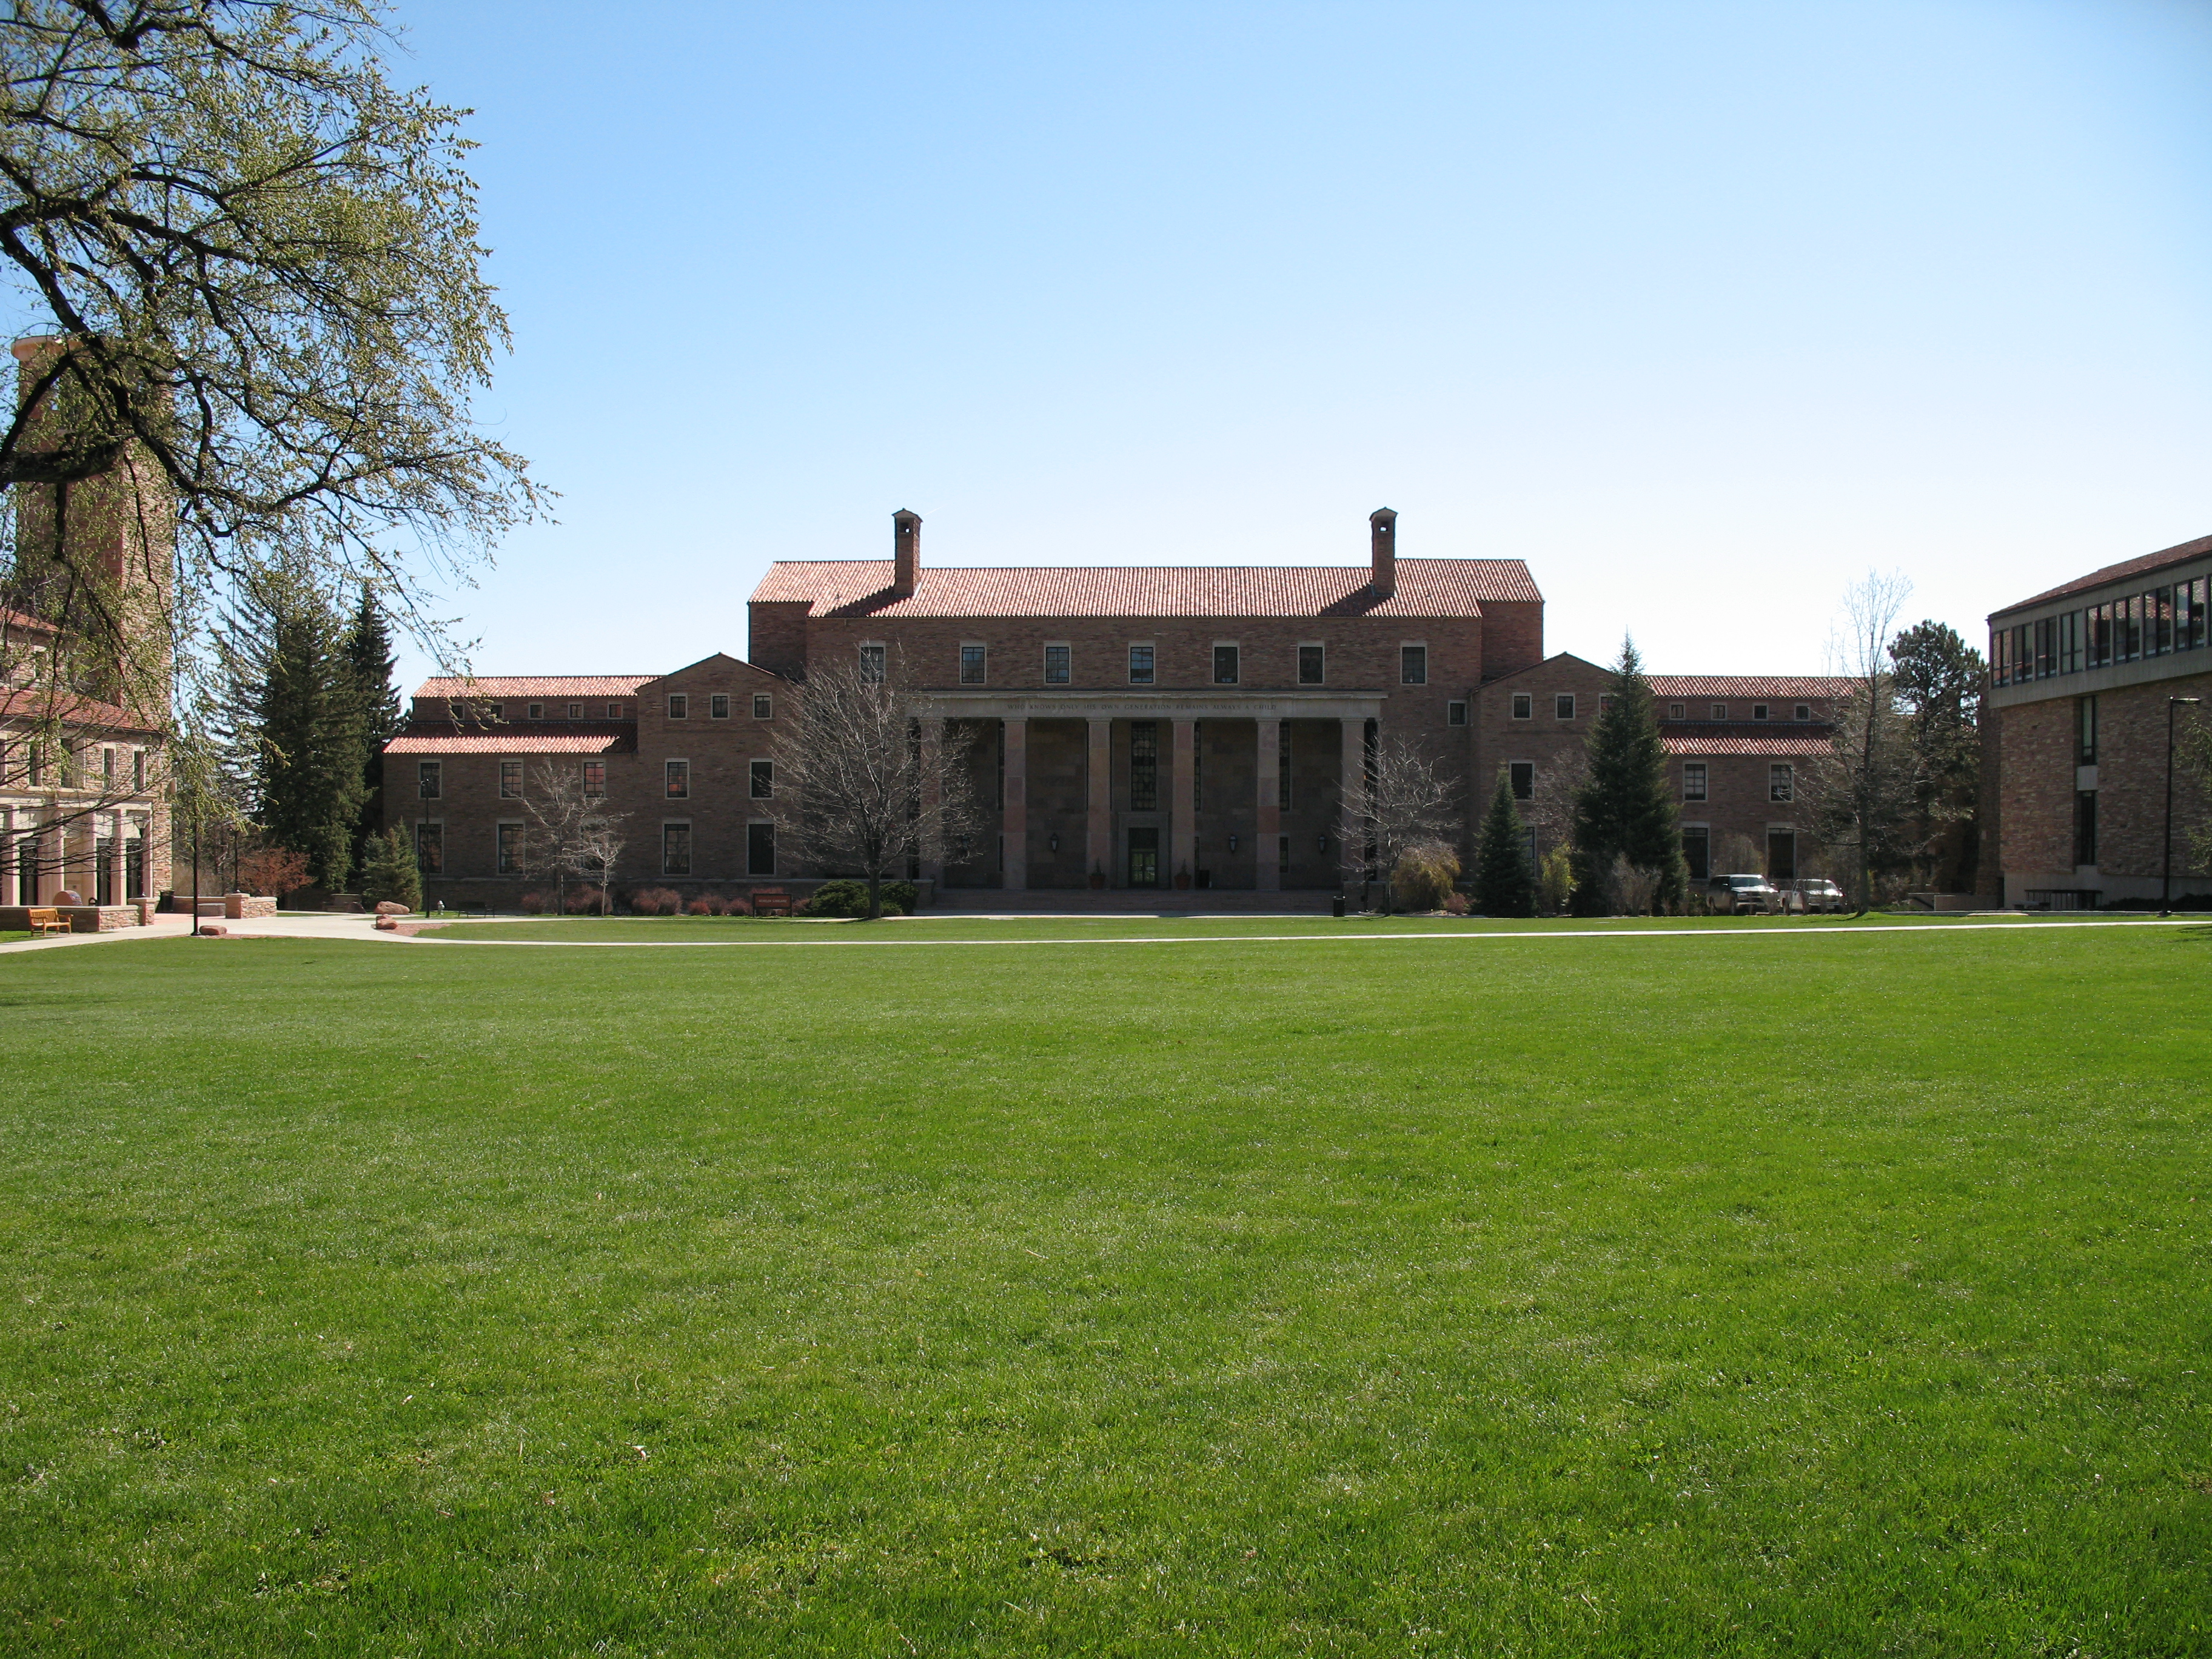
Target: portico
(1248, 799)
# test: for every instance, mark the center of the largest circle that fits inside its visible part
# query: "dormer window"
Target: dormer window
(576, 711)
(1759, 711)
(1804, 711)
(537, 711)
(1674, 711)
(1719, 712)
(496, 710)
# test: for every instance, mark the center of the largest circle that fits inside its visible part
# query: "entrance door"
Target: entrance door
(760, 849)
(1144, 858)
(1780, 855)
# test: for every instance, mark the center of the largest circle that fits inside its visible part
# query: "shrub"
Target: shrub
(655, 902)
(1423, 876)
(536, 904)
(1558, 879)
(273, 872)
(706, 904)
(1455, 904)
(738, 905)
(388, 870)
(583, 901)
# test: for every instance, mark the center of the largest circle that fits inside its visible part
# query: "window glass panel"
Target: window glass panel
(1224, 665)
(764, 707)
(430, 848)
(1781, 783)
(1697, 851)
(1055, 664)
(1674, 711)
(1759, 711)
(973, 671)
(510, 780)
(1524, 706)
(1562, 705)
(537, 711)
(1521, 777)
(510, 849)
(595, 778)
(1693, 781)
(718, 706)
(2085, 710)
(1803, 712)
(675, 849)
(763, 781)
(679, 780)
(760, 849)
(1413, 665)
(679, 707)
(2085, 827)
(576, 711)
(1144, 766)
(1719, 712)
(1456, 714)
(1313, 665)
(1140, 664)
(429, 780)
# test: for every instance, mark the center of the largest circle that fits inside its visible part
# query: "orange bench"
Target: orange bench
(48, 922)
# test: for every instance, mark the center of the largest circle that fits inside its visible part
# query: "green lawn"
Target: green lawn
(1490, 1295)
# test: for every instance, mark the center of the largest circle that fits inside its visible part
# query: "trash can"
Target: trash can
(1336, 905)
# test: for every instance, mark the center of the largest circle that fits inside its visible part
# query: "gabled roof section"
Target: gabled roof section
(1799, 745)
(1425, 588)
(2150, 563)
(1749, 685)
(534, 685)
(1556, 661)
(23, 622)
(524, 738)
(718, 660)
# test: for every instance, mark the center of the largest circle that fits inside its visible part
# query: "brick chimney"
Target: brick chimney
(1383, 548)
(906, 551)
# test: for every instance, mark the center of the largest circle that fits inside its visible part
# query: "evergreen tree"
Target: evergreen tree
(1938, 683)
(295, 721)
(1626, 808)
(370, 658)
(388, 872)
(1504, 877)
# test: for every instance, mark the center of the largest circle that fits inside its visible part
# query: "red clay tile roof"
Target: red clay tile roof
(1804, 744)
(29, 624)
(581, 737)
(36, 703)
(534, 685)
(1426, 587)
(1749, 685)
(2180, 553)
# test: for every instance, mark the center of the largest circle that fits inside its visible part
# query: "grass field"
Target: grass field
(1813, 1290)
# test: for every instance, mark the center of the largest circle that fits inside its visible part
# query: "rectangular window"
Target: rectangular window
(510, 780)
(1454, 713)
(764, 707)
(537, 711)
(761, 780)
(2085, 731)
(1674, 711)
(675, 849)
(1313, 665)
(138, 771)
(1781, 783)
(1719, 712)
(614, 711)
(679, 707)
(872, 665)
(107, 768)
(973, 664)
(430, 848)
(1803, 712)
(1144, 766)
(2128, 628)
(679, 780)
(1056, 664)
(717, 705)
(1759, 711)
(1198, 766)
(1521, 777)
(1283, 766)
(496, 710)
(1140, 664)
(595, 778)
(1413, 665)
(429, 778)
(1696, 845)
(2085, 826)
(1693, 780)
(760, 849)
(1224, 665)
(1282, 856)
(2193, 638)
(1562, 705)
(1524, 706)
(510, 850)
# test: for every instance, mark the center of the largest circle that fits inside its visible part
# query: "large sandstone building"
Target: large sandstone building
(1133, 727)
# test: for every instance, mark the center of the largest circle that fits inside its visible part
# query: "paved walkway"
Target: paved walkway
(285, 924)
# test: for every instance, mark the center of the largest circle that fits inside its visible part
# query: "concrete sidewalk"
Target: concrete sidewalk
(285, 924)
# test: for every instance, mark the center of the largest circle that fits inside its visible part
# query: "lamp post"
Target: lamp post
(2166, 866)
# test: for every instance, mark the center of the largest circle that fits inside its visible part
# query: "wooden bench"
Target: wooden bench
(771, 901)
(43, 921)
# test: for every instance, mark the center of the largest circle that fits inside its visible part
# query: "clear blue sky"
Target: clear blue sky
(1701, 309)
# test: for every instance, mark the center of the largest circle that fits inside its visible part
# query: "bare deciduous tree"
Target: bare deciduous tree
(862, 786)
(570, 833)
(1405, 801)
(1863, 791)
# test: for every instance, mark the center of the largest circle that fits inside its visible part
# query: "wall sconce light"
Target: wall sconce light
(1232, 843)
(1320, 843)
(1053, 840)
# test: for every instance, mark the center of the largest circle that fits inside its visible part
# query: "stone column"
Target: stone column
(1014, 821)
(1182, 835)
(1267, 820)
(116, 849)
(932, 798)
(1098, 775)
(1351, 783)
(8, 894)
